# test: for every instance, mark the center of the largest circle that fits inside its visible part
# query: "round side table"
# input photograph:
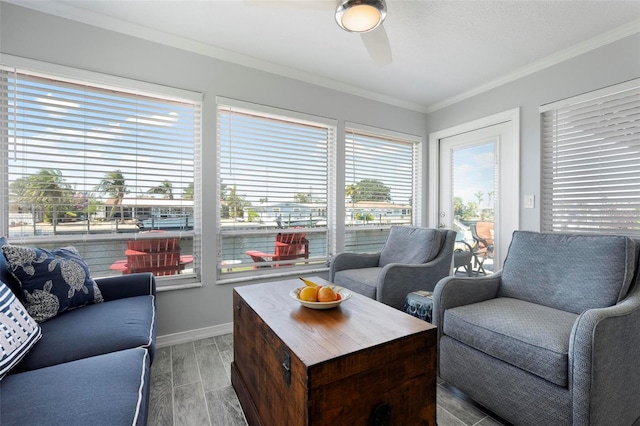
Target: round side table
(419, 304)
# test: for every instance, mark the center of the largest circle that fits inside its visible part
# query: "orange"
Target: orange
(309, 294)
(326, 294)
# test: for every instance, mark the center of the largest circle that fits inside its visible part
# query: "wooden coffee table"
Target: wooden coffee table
(361, 363)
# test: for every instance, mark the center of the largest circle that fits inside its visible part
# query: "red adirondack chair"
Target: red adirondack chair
(160, 256)
(288, 247)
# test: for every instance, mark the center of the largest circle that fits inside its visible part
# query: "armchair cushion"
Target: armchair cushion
(570, 281)
(532, 337)
(410, 245)
(361, 281)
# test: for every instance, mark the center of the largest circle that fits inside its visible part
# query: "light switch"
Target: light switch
(529, 201)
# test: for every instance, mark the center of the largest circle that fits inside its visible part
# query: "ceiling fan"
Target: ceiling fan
(357, 16)
(366, 17)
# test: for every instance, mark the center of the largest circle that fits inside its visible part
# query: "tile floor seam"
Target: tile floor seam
(204, 396)
(228, 369)
(480, 421)
(462, 422)
(187, 384)
(173, 398)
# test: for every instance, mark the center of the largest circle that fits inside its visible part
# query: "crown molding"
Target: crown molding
(558, 57)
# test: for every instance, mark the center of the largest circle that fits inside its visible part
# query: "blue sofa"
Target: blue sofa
(91, 365)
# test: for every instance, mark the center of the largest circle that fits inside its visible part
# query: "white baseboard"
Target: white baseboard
(191, 335)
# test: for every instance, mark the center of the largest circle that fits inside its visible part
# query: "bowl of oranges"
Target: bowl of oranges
(316, 296)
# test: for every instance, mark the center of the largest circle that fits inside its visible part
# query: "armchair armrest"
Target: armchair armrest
(458, 291)
(343, 261)
(396, 280)
(131, 285)
(604, 363)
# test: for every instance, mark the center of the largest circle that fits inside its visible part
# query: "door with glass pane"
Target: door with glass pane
(469, 201)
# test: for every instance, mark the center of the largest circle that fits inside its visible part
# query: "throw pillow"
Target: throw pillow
(18, 331)
(52, 282)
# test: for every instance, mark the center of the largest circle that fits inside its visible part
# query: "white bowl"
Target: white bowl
(344, 294)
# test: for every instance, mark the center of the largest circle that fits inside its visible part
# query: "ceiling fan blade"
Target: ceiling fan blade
(377, 44)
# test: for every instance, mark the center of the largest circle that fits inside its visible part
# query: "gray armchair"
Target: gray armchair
(411, 259)
(553, 338)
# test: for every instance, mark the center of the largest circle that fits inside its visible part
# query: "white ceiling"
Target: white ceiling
(443, 51)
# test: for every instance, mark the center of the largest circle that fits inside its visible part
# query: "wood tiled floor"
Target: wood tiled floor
(191, 386)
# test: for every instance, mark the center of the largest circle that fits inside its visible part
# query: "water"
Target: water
(101, 251)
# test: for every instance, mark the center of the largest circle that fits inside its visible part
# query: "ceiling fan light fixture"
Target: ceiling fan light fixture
(360, 16)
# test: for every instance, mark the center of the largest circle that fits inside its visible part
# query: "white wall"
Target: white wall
(35, 35)
(607, 65)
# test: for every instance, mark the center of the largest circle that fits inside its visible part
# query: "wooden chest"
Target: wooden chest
(362, 363)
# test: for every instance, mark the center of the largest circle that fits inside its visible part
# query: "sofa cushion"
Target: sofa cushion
(568, 272)
(408, 244)
(532, 337)
(363, 281)
(52, 282)
(18, 331)
(111, 389)
(94, 330)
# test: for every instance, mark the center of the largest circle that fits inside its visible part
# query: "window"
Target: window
(273, 175)
(591, 162)
(96, 166)
(381, 177)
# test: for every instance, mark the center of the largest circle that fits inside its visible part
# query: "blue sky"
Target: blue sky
(473, 171)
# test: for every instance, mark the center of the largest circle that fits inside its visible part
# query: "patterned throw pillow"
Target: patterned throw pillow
(52, 281)
(18, 331)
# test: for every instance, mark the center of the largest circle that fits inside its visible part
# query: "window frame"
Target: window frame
(394, 137)
(227, 275)
(566, 157)
(76, 76)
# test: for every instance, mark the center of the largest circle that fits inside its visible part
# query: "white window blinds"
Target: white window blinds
(83, 162)
(381, 172)
(591, 162)
(273, 178)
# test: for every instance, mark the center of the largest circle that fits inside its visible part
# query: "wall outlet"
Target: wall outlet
(529, 201)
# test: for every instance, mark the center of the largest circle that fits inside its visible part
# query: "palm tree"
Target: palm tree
(187, 194)
(368, 190)
(351, 192)
(165, 188)
(301, 197)
(113, 184)
(236, 203)
(45, 191)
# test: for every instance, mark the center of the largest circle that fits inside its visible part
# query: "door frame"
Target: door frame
(509, 189)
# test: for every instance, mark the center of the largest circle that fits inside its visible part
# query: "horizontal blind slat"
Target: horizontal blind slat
(591, 165)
